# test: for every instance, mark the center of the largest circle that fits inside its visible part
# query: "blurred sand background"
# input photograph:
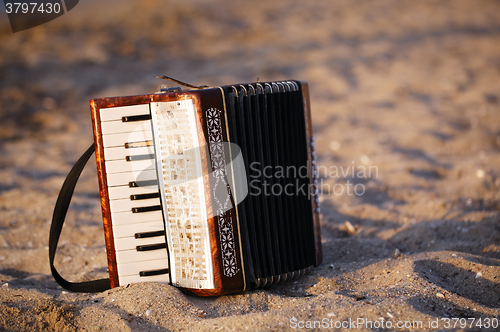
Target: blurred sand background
(411, 88)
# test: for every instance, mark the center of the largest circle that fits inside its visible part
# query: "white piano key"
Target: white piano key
(122, 179)
(129, 269)
(122, 205)
(125, 218)
(129, 243)
(125, 280)
(122, 192)
(120, 152)
(118, 126)
(121, 166)
(140, 135)
(130, 256)
(116, 113)
(129, 230)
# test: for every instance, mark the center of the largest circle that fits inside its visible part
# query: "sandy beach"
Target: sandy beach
(406, 113)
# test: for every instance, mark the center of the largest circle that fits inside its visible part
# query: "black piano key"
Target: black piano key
(153, 272)
(146, 183)
(146, 209)
(130, 145)
(148, 247)
(132, 118)
(138, 197)
(149, 234)
(140, 157)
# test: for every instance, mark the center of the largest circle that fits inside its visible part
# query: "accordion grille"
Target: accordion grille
(183, 199)
(266, 120)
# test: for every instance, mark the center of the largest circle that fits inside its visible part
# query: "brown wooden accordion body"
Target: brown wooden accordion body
(211, 190)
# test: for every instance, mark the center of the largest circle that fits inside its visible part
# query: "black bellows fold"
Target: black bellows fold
(267, 122)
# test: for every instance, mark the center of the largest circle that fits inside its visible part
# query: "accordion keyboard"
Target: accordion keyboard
(132, 185)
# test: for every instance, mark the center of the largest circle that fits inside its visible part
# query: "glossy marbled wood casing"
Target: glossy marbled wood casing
(204, 100)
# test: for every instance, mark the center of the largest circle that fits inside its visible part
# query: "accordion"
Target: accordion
(213, 190)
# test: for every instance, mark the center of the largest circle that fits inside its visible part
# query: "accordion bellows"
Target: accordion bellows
(211, 190)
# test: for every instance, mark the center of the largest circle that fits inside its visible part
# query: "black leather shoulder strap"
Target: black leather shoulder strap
(62, 204)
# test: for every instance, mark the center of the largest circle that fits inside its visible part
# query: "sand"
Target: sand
(405, 92)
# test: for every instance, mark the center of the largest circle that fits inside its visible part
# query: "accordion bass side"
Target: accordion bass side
(212, 190)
